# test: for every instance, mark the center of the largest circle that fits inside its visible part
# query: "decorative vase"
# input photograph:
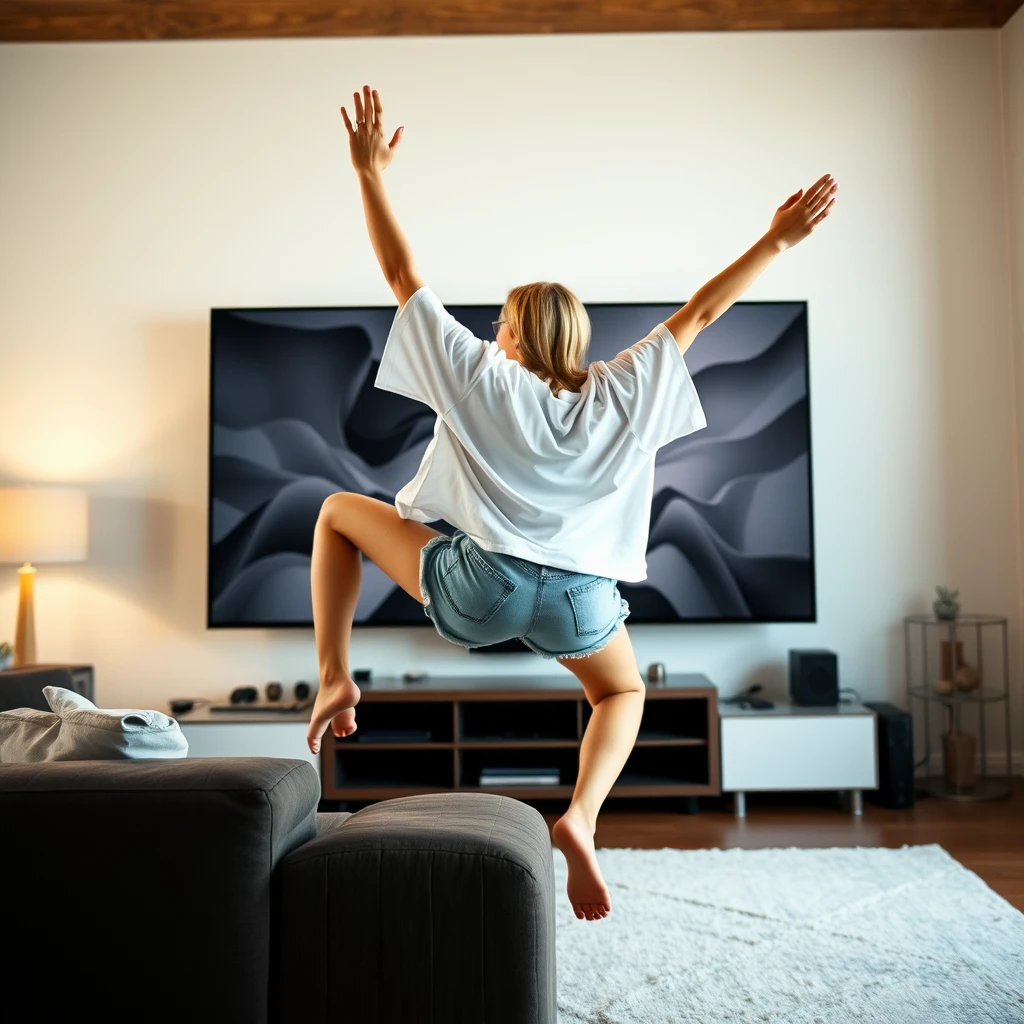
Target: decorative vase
(967, 677)
(946, 606)
(959, 751)
(947, 673)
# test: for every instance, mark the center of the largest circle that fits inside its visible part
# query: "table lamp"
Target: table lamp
(39, 524)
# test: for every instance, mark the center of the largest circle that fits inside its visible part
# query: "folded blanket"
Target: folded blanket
(77, 730)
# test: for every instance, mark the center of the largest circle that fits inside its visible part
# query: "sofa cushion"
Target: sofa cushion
(76, 730)
(439, 905)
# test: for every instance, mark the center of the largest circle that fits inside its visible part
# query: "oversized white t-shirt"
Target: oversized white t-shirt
(565, 480)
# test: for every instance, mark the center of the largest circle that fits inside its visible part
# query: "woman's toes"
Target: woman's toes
(591, 911)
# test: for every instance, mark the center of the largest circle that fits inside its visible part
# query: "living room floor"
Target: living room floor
(987, 836)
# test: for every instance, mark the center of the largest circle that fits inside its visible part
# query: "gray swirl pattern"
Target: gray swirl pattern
(294, 417)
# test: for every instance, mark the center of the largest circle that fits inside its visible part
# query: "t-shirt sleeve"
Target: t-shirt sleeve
(429, 355)
(657, 390)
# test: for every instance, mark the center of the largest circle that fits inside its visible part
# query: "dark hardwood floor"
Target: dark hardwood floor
(987, 837)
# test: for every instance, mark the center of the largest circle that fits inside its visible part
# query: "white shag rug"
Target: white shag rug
(790, 936)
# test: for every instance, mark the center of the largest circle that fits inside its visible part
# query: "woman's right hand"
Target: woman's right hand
(797, 217)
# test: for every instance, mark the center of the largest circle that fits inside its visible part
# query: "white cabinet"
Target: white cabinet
(208, 737)
(791, 747)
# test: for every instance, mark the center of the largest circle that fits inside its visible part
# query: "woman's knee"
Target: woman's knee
(331, 507)
(612, 669)
(595, 695)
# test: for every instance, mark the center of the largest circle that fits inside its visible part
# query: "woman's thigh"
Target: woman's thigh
(612, 669)
(392, 543)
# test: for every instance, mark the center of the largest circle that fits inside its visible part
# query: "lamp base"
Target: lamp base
(25, 631)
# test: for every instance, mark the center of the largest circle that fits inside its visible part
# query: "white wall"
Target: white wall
(1012, 65)
(143, 183)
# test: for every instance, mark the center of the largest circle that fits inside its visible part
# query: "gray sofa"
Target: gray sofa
(211, 890)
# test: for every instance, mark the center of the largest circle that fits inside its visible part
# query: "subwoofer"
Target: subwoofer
(23, 687)
(813, 678)
(895, 731)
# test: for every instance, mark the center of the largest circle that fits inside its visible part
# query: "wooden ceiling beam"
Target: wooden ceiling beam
(124, 20)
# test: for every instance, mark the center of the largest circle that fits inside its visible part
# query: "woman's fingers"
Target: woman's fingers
(814, 191)
(344, 117)
(824, 199)
(368, 108)
(824, 213)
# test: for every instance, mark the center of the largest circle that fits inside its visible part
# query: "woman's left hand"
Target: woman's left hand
(366, 143)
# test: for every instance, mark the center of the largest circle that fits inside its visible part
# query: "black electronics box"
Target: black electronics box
(895, 732)
(814, 678)
(22, 687)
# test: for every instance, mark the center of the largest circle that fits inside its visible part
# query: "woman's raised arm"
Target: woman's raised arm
(370, 156)
(794, 220)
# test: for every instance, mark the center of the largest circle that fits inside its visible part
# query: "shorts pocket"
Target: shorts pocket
(592, 605)
(475, 589)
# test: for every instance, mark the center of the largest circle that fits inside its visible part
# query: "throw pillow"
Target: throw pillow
(77, 730)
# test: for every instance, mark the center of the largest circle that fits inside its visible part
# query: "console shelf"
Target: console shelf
(440, 734)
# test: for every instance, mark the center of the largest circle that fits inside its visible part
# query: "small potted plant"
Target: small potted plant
(6, 655)
(946, 606)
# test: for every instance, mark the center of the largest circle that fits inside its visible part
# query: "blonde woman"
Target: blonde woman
(545, 468)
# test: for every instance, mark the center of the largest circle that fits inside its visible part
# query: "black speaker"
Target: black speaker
(23, 687)
(895, 732)
(813, 678)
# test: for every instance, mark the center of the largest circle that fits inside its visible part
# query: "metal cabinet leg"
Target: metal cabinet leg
(857, 801)
(739, 802)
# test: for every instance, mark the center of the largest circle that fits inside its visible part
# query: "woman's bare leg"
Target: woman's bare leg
(616, 694)
(350, 525)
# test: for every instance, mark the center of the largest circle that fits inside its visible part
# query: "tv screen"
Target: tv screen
(295, 416)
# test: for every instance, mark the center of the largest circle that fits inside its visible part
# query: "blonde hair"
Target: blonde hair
(553, 332)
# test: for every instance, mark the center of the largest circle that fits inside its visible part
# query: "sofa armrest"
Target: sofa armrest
(160, 869)
(433, 908)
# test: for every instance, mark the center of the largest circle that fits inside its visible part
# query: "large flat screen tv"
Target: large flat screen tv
(295, 416)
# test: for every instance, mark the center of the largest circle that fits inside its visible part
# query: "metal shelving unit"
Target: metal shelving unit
(983, 698)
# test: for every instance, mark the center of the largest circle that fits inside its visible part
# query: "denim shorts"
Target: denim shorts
(477, 597)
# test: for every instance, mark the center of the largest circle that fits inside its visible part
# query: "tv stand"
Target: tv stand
(438, 734)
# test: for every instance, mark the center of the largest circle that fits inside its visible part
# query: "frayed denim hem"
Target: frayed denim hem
(599, 646)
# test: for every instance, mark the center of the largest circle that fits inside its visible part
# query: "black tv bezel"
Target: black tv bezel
(812, 619)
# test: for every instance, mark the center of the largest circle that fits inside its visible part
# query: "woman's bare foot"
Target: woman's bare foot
(335, 706)
(588, 894)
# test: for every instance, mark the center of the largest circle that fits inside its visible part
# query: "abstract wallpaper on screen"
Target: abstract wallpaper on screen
(294, 417)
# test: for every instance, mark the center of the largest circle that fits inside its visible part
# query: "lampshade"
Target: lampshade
(43, 524)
